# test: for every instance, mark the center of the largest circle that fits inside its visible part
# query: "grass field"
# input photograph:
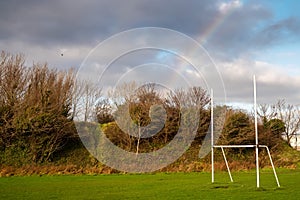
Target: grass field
(152, 186)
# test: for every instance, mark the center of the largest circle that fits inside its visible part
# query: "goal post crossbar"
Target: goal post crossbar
(234, 146)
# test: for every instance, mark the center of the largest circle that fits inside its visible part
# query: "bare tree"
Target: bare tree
(194, 96)
(287, 113)
(266, 112)
(45, 115)
(120, 99)
(76, 97)
(84, 100)
(135, 108)
(123, 93)
(13, 82)
(146, 97)
(290, 115)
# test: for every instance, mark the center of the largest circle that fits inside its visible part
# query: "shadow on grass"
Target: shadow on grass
(230, 185)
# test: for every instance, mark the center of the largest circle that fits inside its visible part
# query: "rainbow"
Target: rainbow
(224, 13)
(217, 22)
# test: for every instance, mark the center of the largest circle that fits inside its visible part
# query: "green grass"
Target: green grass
(152, 186)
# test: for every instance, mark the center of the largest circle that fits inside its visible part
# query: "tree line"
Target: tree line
(39, 104)
(238, 127)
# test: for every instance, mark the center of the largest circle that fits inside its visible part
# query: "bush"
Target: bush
(34, 110)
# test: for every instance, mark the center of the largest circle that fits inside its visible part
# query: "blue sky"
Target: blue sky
(283, 9)
(284, 54)
(242, 37)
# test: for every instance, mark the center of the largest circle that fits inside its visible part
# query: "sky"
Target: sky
(236, 39)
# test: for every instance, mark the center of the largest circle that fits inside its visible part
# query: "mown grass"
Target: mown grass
(152, 186)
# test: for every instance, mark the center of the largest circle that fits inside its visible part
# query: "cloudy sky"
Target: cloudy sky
(241, 37)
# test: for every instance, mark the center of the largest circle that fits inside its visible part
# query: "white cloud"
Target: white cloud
(273, 82)
(225, 7)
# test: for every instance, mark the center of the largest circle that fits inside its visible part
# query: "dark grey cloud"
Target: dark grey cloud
(68, 22)
(84, 22)
(46, 22)
(229, 31)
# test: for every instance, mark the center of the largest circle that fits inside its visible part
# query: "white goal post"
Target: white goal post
(256, 145)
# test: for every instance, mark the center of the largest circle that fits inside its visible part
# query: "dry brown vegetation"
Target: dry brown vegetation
(34, 110)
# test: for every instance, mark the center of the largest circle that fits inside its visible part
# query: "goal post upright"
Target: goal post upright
(256, 133)
(212, 135)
